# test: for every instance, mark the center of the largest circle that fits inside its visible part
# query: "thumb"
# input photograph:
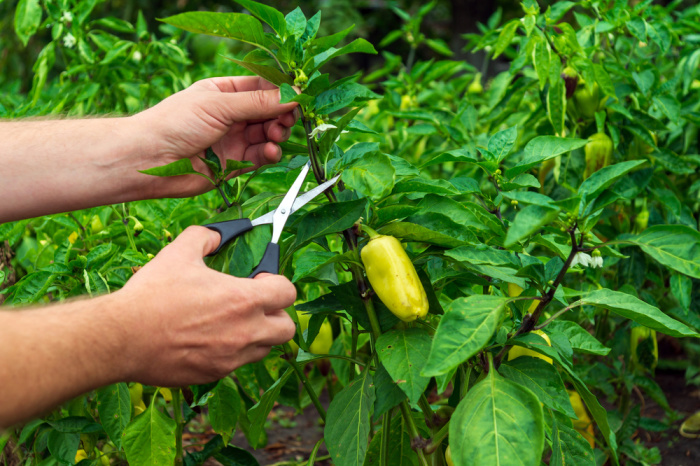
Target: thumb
(254, 105)
(196, 242)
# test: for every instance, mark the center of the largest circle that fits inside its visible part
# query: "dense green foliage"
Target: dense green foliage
(489, 182)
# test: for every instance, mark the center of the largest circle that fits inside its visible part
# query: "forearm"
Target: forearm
(63, 165)
(52, 354)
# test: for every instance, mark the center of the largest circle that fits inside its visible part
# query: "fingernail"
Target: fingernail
(297, 113)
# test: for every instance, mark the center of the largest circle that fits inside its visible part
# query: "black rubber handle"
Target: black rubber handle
(229, 230)
(270, 262)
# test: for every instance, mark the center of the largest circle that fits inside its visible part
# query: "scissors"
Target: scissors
(231, 229)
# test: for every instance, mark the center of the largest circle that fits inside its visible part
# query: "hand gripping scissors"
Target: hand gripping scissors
(270, 261)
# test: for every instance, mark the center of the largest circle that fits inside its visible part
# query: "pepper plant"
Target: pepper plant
(541, 253)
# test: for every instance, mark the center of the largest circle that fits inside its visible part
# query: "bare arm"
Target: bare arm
(176, 322)
(57, 166)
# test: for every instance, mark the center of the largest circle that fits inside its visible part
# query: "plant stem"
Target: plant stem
(304, 381)
(413, 430)
(179, 423)
(437, 439)
(353, 348)
(386, 431)
(427, 410)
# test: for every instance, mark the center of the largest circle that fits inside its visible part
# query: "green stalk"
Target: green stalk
(384, 446)
(438, 437)
(413, 430)
(427, 410)
(179, 424)
(304, 381)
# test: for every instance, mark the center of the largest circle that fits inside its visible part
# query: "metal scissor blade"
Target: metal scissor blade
(282, 212)
(299, 202)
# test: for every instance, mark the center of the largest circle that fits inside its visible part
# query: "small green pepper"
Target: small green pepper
(587, 101)
(599, 150)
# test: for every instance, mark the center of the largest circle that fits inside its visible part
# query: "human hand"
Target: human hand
(239, 117)
(189, 324)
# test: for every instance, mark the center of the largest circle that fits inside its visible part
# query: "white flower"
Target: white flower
(320, 129)
(69, 40)
(342, 132)
(596, 261)
(581, 258)
(67, 17)
(137, 56)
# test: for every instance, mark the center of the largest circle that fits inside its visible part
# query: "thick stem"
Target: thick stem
(437, 439)
(384, 446)
(179, 422)
(353, 348)
(304, 381)
(413, 431)
(427, 410)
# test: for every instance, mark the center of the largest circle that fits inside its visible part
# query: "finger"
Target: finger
(234, 84)
(271, 130)
(262, 154)
(289, 119)
(196, 242)
(254, 105)
(276, 291)
(279, 328)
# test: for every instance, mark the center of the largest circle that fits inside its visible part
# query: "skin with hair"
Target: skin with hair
(176, 322)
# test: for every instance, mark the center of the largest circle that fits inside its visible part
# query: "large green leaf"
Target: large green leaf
(544, 148)
(404, 354)
(371, 175)
(529, 221)
(598, 181)
(468, 324)
(578, 337)
(502, 142)
(63, 446)
(150, 438)
(266, 14)
(177, 168)
(27, 19)
(498, 423)
(358, 45)
(348, 422)
(675, 246)
(224, 408)
(114, 409)
(344, 95)
(273, 75)
(568, 446)
(388, 394)
(635, 309)
(259, 412)
(329, 218)
(238, 26)
(413, 232)
(542, 378)
(399, 451)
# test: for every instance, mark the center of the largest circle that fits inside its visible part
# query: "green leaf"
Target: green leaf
(224, 408)
(544, 148)
(258, 413)
(232, 455)
(235, 165)
(419, 184)
(177, 168)
(357, 46)
(483, 255)
(348, 422)
(372, 175)
(682, 290)
(404, 354)
(501, 143)
(63, 446)
(342, 96)
(273, 75)
(238, 26)
(606, 176)
(540, 60)
(467, 214)
(466, 327)
(675, 246)
(568, 446)
(412, 232)
(296, 22)
(635, 309)
(327, 219)
(27, 19)
(150, 438)
(266, 14)
(497, 423)
(542, 378)
(528, 222)
(388, 393)
(505, 37)
(310, 263)
(579, 338)
(114, 409)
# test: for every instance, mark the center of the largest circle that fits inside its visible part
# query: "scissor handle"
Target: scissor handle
(229, 230)
(270, 262)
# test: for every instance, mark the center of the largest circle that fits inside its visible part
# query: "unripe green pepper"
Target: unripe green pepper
(393, 277)
(599, 149)
(475, 87)
(587, 101)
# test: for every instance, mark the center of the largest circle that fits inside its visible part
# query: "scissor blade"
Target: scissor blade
(299, 202)
(284, 210)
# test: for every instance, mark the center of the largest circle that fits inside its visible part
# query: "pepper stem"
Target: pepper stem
(370, 232)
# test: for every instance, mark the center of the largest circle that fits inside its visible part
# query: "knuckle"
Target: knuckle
(259, 98)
